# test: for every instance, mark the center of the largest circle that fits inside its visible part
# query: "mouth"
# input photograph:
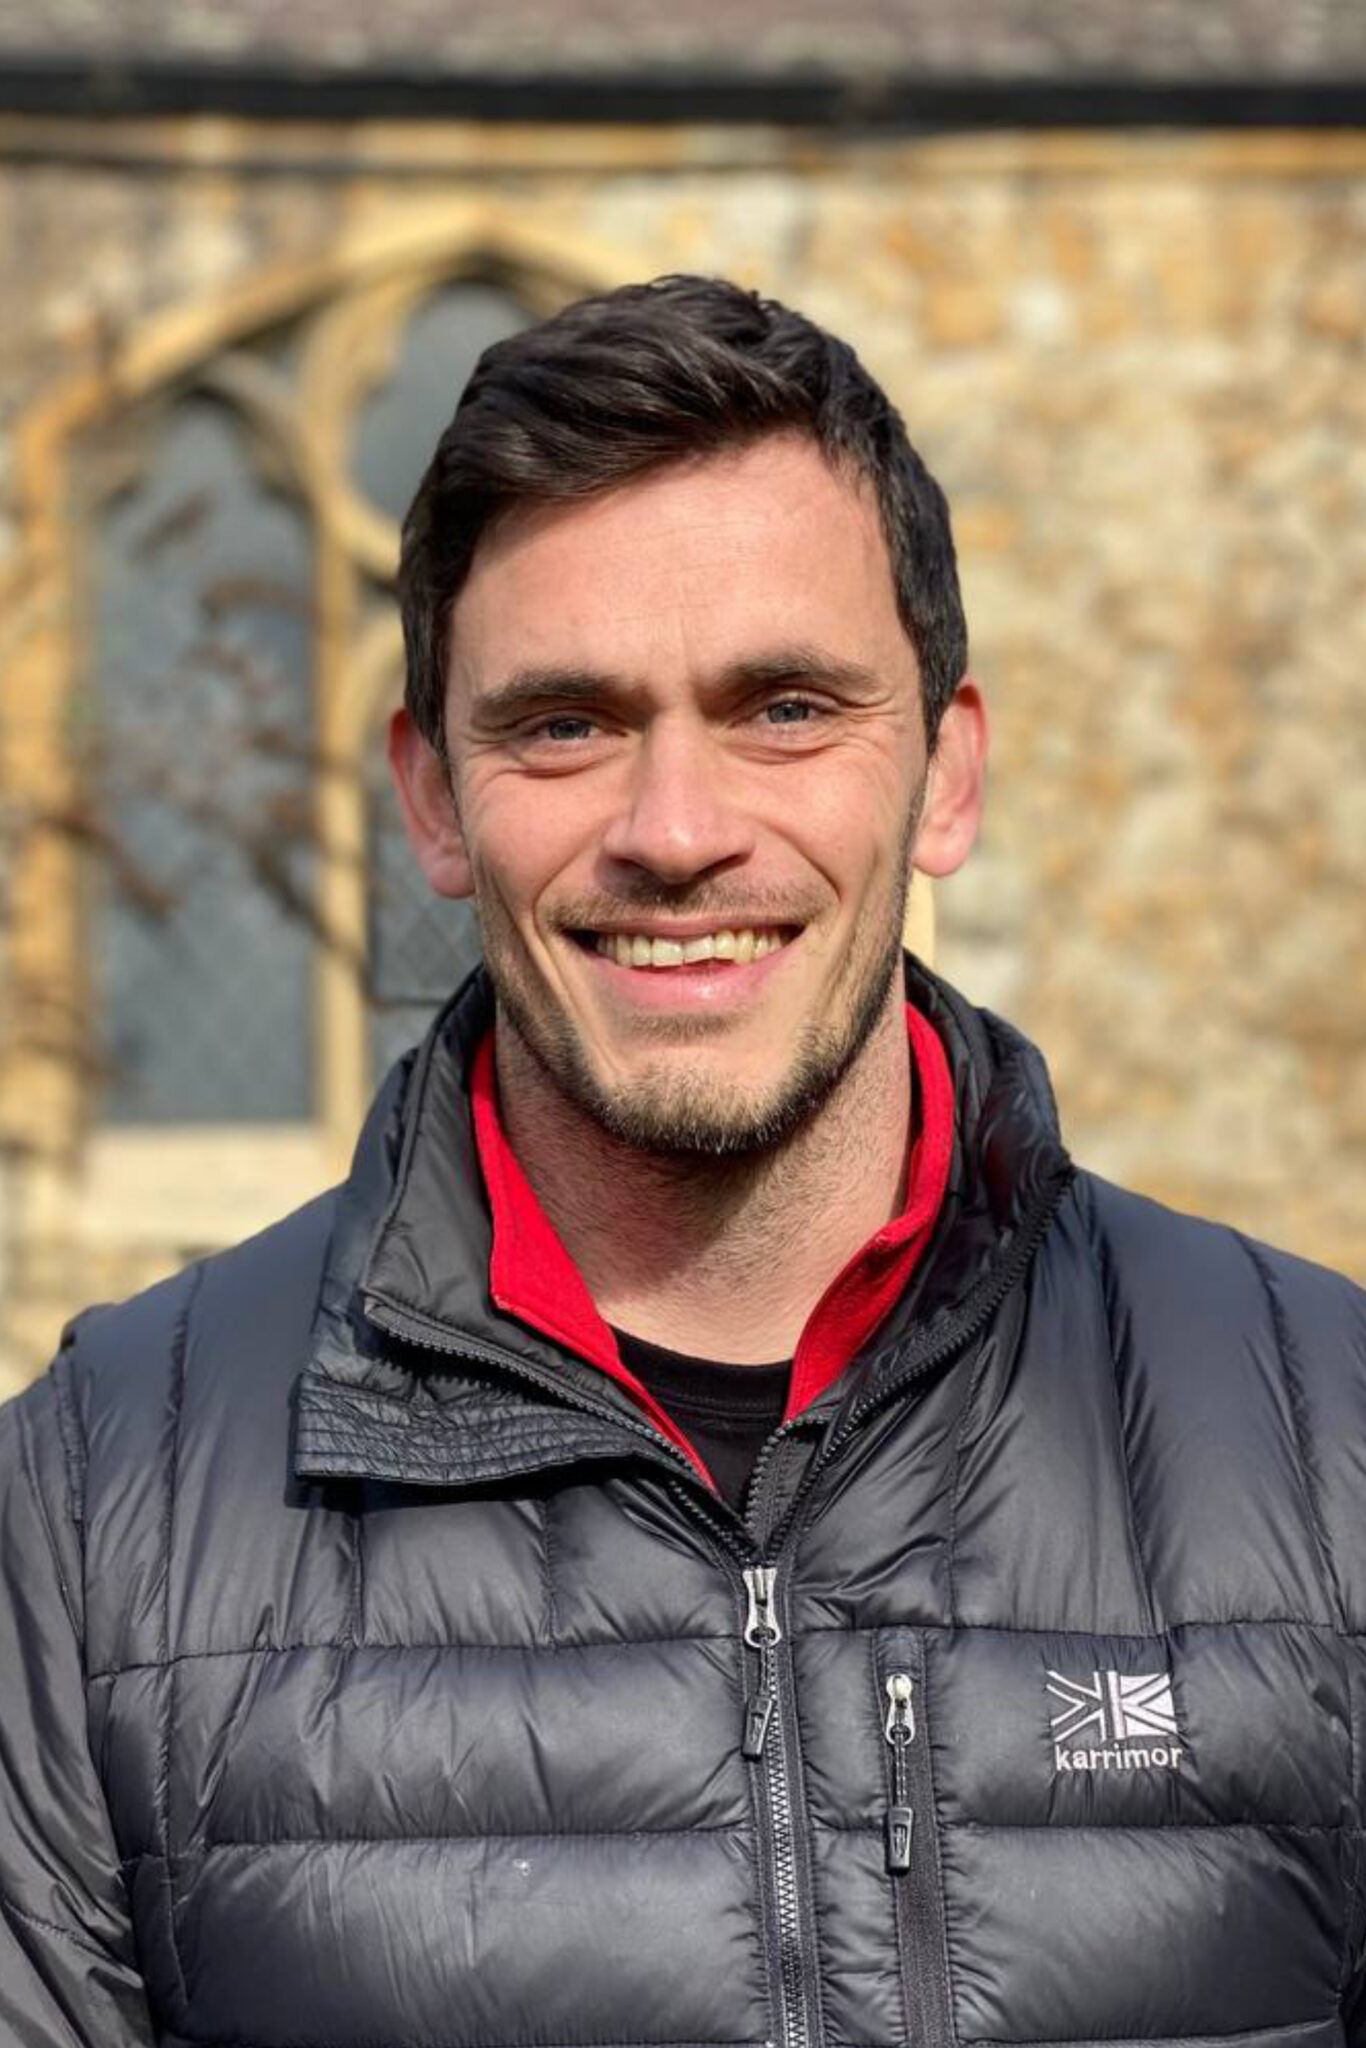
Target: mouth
(668, 952)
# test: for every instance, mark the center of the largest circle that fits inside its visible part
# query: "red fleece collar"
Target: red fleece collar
(532, 1277)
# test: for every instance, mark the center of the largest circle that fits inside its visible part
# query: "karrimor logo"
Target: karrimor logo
(1130, 1722)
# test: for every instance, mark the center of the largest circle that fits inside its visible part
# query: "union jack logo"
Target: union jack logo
(1119, 1708)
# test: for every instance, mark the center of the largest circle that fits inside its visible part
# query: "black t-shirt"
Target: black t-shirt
(727, 1411)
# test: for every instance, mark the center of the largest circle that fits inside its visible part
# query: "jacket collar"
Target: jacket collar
(470, 1394)
(533, 1278)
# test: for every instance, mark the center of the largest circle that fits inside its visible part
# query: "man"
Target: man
(716, 1533)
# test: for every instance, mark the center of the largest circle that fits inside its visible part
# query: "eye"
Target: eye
(791, 711)
(563, 729)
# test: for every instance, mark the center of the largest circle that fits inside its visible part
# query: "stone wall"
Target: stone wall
(1136, 364)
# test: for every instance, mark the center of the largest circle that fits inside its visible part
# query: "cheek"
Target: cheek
(521, 844)
(853, 828)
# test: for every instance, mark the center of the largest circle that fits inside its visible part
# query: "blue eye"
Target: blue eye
(564, 729)
(790, 711)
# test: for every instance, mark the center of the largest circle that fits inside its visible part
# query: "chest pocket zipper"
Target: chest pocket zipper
(909, 1841)
(899, 1732)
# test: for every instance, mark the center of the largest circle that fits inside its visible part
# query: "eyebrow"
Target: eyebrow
(803, 662)
(529, 689)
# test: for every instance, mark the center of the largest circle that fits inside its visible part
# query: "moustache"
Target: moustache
(592, 913)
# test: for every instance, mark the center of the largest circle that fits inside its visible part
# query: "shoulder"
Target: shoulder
(1241, 1373)
(236, 1322)
(268, 1285)
(170, 1409)
(1209, 1276)
(1198, 1318)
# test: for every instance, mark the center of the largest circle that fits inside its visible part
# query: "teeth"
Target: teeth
(633, 949)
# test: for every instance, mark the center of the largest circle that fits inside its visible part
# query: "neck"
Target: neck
(722, 1258)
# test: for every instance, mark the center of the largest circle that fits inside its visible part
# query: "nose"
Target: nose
(680, 815)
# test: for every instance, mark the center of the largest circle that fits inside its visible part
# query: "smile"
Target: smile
(740, 944)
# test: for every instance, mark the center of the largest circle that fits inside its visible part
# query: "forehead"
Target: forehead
(693, 565)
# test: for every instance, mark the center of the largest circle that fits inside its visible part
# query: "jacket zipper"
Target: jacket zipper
(766, 1739)
(917, 1890)
(956, 1332)
(767, 1743)
(899, 1732)
(910, 1845)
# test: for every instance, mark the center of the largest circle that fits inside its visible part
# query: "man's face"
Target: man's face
(689, 763)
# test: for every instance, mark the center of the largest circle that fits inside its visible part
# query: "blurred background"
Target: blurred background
(1108, 255)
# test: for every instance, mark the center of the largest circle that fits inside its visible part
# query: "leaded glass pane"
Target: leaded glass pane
(198, 739)
(399, 427)
(421, 945)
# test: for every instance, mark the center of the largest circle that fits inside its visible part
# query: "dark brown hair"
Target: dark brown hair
(633, 379)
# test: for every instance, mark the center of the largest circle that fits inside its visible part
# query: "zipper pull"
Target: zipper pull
(900, 1826)
(762, 1631)
(900, 1726)
(761, 1622)
(899, 1732)
(758, 1714)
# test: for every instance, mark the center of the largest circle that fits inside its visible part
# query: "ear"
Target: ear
(428, 804)
(955, 785)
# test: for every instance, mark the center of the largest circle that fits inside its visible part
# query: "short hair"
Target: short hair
(631, 380)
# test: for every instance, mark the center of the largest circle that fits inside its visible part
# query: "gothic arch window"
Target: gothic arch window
(260, 943)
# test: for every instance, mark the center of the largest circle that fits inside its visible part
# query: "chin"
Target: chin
(698, 1123)
(700, 1110)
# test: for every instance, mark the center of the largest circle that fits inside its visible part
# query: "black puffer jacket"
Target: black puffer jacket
(373, 1676)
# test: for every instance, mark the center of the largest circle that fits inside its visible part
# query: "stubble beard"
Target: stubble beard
(675, 1116)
